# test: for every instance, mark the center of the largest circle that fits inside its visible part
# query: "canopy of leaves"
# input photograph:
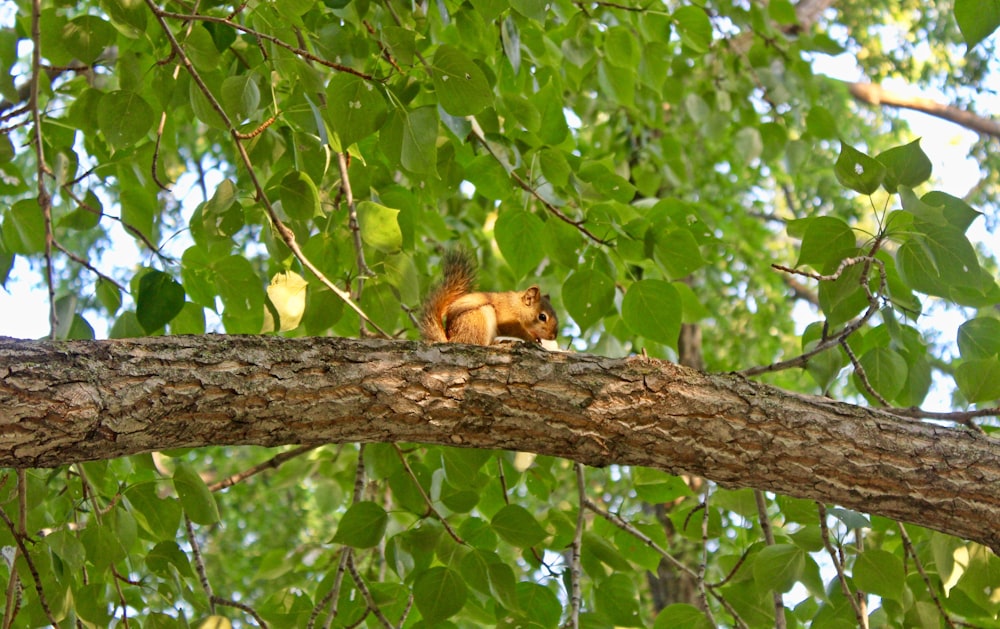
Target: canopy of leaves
(302, 165)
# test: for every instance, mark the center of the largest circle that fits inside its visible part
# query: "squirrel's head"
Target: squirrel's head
(540, 318)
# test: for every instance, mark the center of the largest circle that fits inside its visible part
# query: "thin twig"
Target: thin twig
(269, 464)
(847, 330)
(369, 599)
(19, 534)
(862, 375)
(301, 52)
(703, 564)
(199, 564)
(427, 499)
(250, 610)
(765, 527)
(44, 200)
(331, 599)
(576, 572)
(908, 547)
(477, 133)
(838, 565)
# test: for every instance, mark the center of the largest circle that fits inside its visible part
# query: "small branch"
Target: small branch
(703, 564)
(576, 572)
(218, 600)
(477, 133)
(847, 330)
(199, 564)
(19, 537)
(305, 54)
(331, 598)
(878, 95)
(44, 200)
(859, 370)
(908, 547)
(427, 499)
(369, 599)
(765, 527)
(269, 464)
(87, 265)
(839, 566)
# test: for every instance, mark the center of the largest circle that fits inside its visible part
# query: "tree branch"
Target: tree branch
(878, 95)
(64, 402)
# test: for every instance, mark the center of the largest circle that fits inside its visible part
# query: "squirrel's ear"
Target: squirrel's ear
(531, 296)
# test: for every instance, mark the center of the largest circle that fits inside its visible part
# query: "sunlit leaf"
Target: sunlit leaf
(363, 526)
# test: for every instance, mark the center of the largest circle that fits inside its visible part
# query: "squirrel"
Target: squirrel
(454, 313)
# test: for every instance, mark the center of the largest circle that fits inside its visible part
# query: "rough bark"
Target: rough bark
(62, 402)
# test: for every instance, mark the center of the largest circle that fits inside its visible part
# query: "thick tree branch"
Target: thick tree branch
(63, 402)
(879, 96)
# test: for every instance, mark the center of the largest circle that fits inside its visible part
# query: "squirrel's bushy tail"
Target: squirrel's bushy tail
(458, 278)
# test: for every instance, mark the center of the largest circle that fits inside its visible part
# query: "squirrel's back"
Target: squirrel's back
(458, 278)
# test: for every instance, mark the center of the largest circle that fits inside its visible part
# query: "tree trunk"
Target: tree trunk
(64, 402)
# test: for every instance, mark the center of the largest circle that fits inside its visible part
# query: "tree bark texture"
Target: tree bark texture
(65, 402)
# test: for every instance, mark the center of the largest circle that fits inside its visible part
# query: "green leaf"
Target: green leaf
(979, 338)
(380, 227)
(102, 545)
(588, 294)
(825, 240)
(621, 48)
(128, 16)
(124, 118)
(87, 36)
(418, 152)
(857, 171)
(502, 583)
(531, 9)
(68, 547)
(84, 218)
(299, 196)
(362, 526)
(240, 96)
(779, 567)
(930, 215)
(905, 165)
(679, 253)
(517, 526)
(694, 28)
(201, 49)
(518, 234)
(682, 616)
(957, 212)
(242, 295)
(24, 228)
(198, 502)
(821, 123)
(160, 299)
(618, 600)
(880, 572)
(655, 487)
(596, 547)
(977, 19)
(979, 379)
(439, 593)
(158, 517)
(461, 85)
(549, 102)
(356, 108)
(886, 371)
(652, 308)
(540, 603)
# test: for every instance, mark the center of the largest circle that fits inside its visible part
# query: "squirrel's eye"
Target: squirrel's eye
(543, 317)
